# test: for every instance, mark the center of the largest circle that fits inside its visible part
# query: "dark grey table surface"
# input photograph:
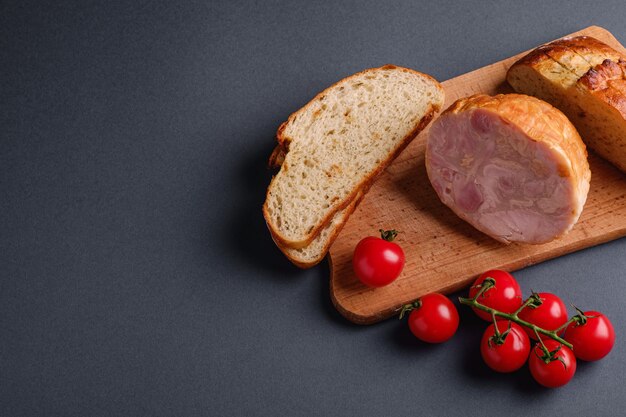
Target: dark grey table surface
(136, 274)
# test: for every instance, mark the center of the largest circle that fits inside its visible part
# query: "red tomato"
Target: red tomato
(508, 353)
(550, 315)
(435, 320)
(592, 340)
(506, 296)
(560, 366)
(377, 261)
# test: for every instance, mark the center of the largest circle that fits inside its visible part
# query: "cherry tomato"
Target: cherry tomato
(378, 261)
(434, 319)
(506, 296)
(508, 352)
(560, 366)
(550, 315)
(593, 339)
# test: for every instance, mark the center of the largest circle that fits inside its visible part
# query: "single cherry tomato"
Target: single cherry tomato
(433, 318)
(550, 315)
(553, 368)
(592, 336)
(506, 351)
(505, 296)
(377, 261)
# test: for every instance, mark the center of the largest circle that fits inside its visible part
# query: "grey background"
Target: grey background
(136, 274)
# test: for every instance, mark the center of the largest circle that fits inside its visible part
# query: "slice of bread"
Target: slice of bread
(336, 144)
(586, 80)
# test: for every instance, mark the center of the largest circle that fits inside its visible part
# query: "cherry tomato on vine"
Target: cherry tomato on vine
(433, 318)
(508, 351)
(550, 315)
(505, 296)
(377, 261)
(554, 368)
(592, 336)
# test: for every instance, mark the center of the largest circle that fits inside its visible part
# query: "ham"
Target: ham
(511, 165)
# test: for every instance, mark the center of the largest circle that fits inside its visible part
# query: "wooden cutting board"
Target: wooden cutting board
(443, 253)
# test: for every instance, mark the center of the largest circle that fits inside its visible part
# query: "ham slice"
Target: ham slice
(511, 165)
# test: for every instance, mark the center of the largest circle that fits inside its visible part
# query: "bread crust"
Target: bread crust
(600, 76)
(586, 46)
(366, 182)
(606, 81)
(277, 157)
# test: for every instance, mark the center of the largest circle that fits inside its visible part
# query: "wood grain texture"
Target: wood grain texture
(444, 253)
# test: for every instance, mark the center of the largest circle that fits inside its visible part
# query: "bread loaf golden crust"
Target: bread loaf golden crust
(606, 81)
(586, 79)
(590, 49)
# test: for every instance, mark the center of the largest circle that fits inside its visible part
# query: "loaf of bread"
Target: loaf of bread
(333, 148)
(511, 165)
(586, 80)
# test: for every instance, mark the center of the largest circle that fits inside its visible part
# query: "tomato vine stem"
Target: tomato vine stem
(388, 235)
(514, 317)
(410, 307)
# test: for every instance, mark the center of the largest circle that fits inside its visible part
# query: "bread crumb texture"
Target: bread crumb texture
(340, 139)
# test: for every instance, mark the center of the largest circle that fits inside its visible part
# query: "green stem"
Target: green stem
(472, 302)
(523, 306)
(388, 235)
(409, 307)
(496, 331)
(567, 323)
(484, 286)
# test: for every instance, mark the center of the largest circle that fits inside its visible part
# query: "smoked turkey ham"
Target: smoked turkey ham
(511, 165)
